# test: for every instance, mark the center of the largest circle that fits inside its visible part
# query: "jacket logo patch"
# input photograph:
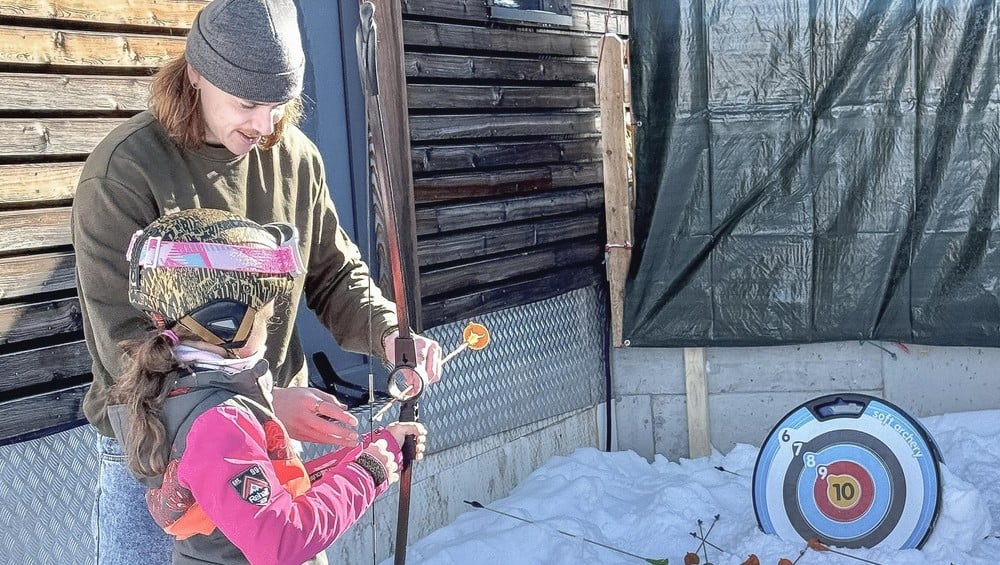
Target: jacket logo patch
(252, 486)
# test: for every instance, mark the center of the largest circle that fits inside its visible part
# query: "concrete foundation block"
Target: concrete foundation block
(635, 423)
(670, 426)
(647, 370)
(819, 368)
(935, 380)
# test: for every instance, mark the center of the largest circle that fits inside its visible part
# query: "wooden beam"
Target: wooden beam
(465, 97)
(44, 365)
(53, 136)
(599, 21)
(448, 157)
(42, 183)
(495, 269)
(25, 275)
(468, 126)
(151, 13)
(465, 215)
(617, 5)
(41, 414)
(504, 238)
(542, 42)
(61, 93)
(484, 184)
(38, 229)
(585, 18)
(21, 322)
(45, 47)
(389, 131)
(617, 193)
(696, 384)
(454, 9)
(443, 310)
(468, 67)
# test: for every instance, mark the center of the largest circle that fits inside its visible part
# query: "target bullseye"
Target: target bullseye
(851, 470)
(843, 490)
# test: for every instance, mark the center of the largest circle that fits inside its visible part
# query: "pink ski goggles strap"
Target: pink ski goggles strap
(284, 260)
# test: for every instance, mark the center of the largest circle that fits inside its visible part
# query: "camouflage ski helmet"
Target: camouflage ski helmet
(211, 271)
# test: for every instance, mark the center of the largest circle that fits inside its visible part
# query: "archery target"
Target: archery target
(851, 470)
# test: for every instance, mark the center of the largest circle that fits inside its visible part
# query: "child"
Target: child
(193, 410)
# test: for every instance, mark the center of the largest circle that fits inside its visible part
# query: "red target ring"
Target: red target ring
(844, 491)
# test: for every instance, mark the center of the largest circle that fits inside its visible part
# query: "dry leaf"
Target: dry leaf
(816, 545)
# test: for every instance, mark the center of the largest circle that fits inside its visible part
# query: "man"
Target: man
(220, 133)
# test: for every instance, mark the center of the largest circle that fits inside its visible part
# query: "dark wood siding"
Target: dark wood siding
(70, 71)
(505, 152)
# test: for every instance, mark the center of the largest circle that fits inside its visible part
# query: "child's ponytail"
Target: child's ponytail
(143, 388)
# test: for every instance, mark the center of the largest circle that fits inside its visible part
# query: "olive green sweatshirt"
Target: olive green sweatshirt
(137, 174)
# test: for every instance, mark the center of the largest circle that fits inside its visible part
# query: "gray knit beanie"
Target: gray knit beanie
(249, 48)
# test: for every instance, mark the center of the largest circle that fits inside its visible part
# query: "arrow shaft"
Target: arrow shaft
(457, 350)
(706, 543)
(572, 535)
(863, 560)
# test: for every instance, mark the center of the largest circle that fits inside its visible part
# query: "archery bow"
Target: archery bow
(405, 383)
(405, 354)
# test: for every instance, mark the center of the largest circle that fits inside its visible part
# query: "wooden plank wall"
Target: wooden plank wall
(505, 151)
(70, 70)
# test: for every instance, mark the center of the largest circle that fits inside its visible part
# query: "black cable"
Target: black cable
(607, 377)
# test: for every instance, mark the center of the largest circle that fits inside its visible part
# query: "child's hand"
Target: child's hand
(400, 430)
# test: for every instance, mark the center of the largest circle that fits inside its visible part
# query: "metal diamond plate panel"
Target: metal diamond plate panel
(46, 493)
(544, 359)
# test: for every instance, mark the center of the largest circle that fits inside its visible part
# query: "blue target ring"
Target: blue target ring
(851, 470)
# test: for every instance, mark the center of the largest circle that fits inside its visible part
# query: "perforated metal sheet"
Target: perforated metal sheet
(545, 359)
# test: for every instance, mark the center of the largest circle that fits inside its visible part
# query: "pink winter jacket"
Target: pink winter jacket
(229, 467)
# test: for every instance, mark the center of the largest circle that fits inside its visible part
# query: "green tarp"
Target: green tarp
(815, 170)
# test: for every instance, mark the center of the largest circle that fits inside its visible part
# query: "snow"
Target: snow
(650, 510)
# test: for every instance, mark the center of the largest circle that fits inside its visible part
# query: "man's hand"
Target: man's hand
(428, 355)
(312, 415)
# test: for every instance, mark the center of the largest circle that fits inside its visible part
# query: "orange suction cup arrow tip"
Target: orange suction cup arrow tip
(476, 336)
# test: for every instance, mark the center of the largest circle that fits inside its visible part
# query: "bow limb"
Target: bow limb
(370, 54)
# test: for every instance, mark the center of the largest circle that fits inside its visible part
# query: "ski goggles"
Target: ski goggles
(284, 260)
(259, 273)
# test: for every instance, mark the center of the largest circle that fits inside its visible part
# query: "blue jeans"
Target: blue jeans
(122, 526)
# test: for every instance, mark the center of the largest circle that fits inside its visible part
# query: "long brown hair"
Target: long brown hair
(176, 104)
(143, 388)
